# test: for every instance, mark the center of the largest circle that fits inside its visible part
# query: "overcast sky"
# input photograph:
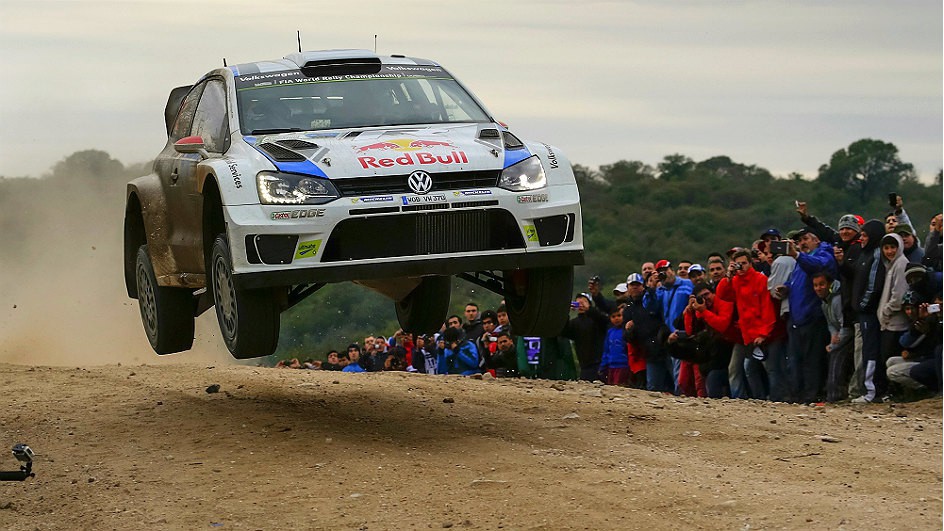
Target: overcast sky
(779, 84)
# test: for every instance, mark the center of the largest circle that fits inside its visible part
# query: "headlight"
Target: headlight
(526, 175)
(289, 189)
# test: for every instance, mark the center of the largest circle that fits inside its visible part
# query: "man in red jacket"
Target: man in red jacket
(705, 310)
(756, 319)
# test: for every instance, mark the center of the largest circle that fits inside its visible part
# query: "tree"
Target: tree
(674, 167)
(869, 167)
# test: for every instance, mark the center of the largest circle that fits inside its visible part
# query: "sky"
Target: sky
(779, 84)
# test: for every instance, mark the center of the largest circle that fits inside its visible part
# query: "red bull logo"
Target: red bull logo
(412, 154)
(411, 159)
(404, 144)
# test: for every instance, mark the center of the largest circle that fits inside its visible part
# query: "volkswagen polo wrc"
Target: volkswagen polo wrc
(279, 177)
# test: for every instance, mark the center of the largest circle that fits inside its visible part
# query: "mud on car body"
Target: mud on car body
(279, 177)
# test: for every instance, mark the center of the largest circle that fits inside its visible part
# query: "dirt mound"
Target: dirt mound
(145, 447)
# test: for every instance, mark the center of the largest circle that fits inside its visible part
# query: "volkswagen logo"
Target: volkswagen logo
(420, 182)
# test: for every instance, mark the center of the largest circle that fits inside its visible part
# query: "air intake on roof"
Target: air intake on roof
(342, 67)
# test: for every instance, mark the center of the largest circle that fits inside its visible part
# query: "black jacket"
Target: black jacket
(588, 332)
(867, 283)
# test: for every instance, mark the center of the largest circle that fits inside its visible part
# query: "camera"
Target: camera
(778, 247)
(661, 276)
(934, 308)
(574, 304)
(23, 453)
(699, 299)
(893, 199)
(737, 266)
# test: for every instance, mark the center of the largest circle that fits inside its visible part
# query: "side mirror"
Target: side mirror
(192, 144)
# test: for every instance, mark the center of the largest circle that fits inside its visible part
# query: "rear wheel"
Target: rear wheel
(249, 318)
(424, 309)
(538, 300)
(167, 313)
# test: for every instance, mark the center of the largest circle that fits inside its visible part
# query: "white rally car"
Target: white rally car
(279, 177)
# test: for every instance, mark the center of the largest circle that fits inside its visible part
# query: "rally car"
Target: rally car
(281, 176)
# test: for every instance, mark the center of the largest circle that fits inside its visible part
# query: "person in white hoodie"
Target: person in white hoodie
(891, 317)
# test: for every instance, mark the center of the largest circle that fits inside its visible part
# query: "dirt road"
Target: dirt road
(147, 447)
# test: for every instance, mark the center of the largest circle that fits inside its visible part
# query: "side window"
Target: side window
(210, 120)
(185, 114)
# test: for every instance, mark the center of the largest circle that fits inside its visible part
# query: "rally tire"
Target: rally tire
(248, 318)
(424, 309)
(538, 300)
(167, 313)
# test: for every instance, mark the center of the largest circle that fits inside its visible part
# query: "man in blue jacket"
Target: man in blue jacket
(807, 331)
(460, 355)
(674, 294)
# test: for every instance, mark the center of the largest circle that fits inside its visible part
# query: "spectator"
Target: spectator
(647, 269)
(806, 330)
(920, 342)
(776, 363)
(453, 321)
(504, 324)
(614, 363)
(683, 266)
(846, 250)
(357, 363)
(642, 316)
(913, 252)
(459, 355)
(708, 312)
(620, 293)
(757, 321)
(839, 349)
(891, 318)
(868, 281)
(932, 246)
(486, 343)
(504, 361)
(587, 330)
(473, 325)
(696, 273)
(674, 296)
(716, 269)
(759, 257)
(770, 235)
(593, 288)
(333, 362)
(424, 355)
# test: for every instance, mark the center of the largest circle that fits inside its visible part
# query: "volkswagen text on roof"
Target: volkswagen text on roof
(279, 177)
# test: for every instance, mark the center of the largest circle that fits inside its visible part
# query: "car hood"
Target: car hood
(389, 151)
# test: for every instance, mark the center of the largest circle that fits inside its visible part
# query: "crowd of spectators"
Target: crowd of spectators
(816, 314)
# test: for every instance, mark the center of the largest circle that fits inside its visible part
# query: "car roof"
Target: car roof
(296, 60)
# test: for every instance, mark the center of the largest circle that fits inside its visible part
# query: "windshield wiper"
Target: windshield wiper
(276, 130)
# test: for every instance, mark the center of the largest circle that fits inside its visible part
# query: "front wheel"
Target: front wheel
(249, 318)
(538, 300)
(166, 312)
(424, 309)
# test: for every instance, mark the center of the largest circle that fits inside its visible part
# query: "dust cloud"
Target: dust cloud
(62, 294)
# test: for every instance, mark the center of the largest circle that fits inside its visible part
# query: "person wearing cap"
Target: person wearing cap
(588, 331)
(806, 329)
(620, 293)
(913, 252)
(771, 234)
(674, 294)
(696, 273)
(642, 318)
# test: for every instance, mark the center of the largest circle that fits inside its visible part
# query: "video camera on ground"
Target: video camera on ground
(23, 454)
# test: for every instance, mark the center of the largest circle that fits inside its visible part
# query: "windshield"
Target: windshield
(397, 95)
